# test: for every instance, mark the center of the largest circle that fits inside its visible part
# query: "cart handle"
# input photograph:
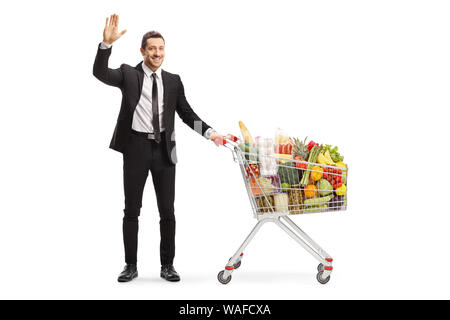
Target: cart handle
(224, 140)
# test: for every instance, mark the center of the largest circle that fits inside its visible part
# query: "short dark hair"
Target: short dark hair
(148, 35)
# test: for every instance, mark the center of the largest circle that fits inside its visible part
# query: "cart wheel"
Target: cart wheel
(320, 267)
(320, 279)
(237, 264)
(221, 279)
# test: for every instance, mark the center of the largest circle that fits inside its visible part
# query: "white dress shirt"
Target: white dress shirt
(142, 117)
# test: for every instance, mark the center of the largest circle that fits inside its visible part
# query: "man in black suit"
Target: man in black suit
(144, 134)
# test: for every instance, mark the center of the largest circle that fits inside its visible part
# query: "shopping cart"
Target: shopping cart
(273, 199)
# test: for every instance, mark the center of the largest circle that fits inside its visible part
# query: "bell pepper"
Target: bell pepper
(342, 190)
(253, 167)
(311, 144)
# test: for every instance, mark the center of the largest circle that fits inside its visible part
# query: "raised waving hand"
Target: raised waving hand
(111, 32)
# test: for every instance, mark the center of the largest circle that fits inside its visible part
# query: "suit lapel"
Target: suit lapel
(140, 78)
(165, 86)
(165, 95)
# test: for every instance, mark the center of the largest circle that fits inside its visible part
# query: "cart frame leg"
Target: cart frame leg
(325, 258)
(308, 244)
(239, 253)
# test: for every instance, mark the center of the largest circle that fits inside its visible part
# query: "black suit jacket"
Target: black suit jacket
(130, 80)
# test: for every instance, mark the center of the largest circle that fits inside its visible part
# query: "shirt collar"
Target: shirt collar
(148, 71)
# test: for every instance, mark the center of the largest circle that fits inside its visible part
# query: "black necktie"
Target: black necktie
(155, 110)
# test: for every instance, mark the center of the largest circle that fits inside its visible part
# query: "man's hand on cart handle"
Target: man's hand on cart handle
(217, 138)
(221, 140)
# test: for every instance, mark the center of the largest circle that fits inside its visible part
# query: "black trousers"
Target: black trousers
(139, 157)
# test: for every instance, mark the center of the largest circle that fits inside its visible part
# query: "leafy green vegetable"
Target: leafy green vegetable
(334, 153)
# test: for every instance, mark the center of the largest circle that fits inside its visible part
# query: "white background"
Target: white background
(369, 76)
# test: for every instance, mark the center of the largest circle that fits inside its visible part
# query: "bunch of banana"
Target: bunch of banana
(325, 158)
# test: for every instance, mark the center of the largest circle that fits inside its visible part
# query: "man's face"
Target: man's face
(153, 53)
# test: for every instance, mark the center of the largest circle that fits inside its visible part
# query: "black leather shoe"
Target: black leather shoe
(168, 272)
(129, 273)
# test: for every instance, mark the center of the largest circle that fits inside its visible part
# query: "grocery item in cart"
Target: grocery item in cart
(280, 137)
(265, 184)
(343, 167)
(283, 146)
(300, 149)
(295, 197)
(333, 153)
(342, 190)
(324, 187)
(310, 191)
(250, 153)
(252, 170)
(313, 154)
(281, 201)
(267, 162)
(316, 173)
(325, 158)
(246, 134)
(289, 173)
(275, 181)
(317, 204)
(264, 203)
(338, 203)
(255, 186)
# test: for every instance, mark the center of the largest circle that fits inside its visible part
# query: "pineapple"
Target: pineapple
(300, 148)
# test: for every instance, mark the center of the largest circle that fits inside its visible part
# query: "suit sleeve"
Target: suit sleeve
(186, 113)
(112, 77)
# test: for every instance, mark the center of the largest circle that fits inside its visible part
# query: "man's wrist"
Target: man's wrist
(104, 45)
(208, 133)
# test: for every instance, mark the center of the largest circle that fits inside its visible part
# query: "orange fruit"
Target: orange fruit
(310, 191)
